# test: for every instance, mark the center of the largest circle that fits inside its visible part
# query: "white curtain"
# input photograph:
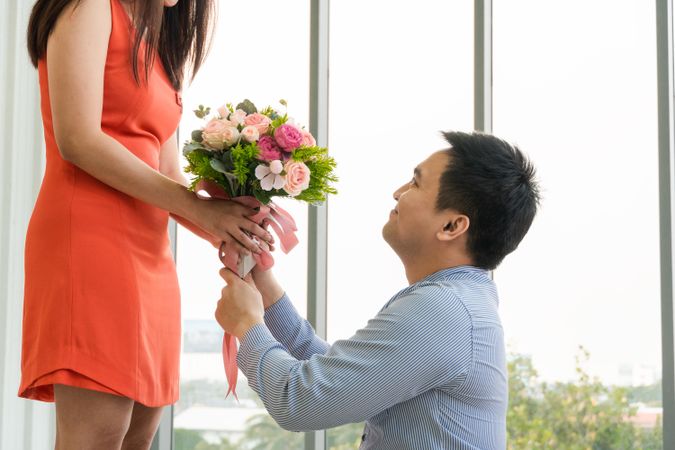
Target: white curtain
(23, 424)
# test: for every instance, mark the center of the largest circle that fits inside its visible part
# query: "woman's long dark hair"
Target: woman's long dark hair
(180, 34)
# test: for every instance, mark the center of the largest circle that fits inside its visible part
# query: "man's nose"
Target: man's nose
(398, 192)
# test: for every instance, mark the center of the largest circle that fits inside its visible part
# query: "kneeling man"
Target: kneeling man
(429, 370)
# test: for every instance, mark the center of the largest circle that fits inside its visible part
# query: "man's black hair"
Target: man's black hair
(493, 183)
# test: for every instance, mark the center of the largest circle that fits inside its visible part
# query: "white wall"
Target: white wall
(23, 424)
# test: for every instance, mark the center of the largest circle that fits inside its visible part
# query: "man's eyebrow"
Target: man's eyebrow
(418, 173)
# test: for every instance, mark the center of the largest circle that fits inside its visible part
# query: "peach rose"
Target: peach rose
(307, 138)
(238, 117)
(230, 136)
(250, 134)
(224, 112)
(297, 177)
(260, 121)
(213, 133)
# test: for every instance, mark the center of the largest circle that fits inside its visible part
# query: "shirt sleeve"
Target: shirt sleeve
(421, 341)
(292, 331)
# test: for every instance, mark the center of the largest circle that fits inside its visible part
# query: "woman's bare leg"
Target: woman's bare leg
(90, 420)
(144, 423)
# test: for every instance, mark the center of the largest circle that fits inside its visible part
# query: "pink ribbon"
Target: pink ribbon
(284, 227)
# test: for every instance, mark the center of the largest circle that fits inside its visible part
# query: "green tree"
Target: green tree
(346, 437)
(186, 439)
(263, 433)
(580, 415)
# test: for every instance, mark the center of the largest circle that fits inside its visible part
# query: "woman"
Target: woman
(101, 332)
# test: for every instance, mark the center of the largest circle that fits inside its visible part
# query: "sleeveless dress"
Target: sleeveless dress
(101, 302)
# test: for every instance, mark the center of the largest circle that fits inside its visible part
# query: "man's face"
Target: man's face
(414, 222)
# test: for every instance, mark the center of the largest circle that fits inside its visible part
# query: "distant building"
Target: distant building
(637, 374)
(647, 416)
(213, 424)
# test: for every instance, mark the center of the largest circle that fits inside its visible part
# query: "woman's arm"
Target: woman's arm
(76, 56)
(170, 167)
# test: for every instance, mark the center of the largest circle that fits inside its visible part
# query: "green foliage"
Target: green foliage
(186, 439)
(202, 112)
(247, 106)
(263, 433)
(199, 165)
(583, 414)
(243, 159)
(346, 437)
(321, 168)
(649, 395)
(279, 121)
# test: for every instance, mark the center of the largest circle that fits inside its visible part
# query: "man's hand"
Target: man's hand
(240, 306)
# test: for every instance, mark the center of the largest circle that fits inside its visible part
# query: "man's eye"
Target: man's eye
(413, 182)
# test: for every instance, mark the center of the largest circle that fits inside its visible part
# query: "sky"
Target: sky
(574, 88)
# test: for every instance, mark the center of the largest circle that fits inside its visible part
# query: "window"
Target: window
(395, 84)
(576, 89)
(259, 57)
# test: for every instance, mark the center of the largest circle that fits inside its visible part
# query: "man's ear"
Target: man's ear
(455, 226)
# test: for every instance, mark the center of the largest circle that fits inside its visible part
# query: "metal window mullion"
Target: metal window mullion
(317, 264)
(664, 62)
(163, 439)
(483, 65)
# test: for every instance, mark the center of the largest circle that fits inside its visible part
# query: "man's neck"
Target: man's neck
(419, 269)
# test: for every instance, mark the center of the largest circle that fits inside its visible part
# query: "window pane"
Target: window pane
(259, 57)
(395, 83)
(575, 88)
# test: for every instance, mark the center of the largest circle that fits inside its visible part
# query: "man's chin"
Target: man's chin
(388, 233)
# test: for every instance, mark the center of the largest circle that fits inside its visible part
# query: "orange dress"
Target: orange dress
(101, 302)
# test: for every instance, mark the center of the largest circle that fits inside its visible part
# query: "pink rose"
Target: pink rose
(260, 121)
(250, 134)
(307, 138)
(288, 137)
(269, 150)
(213, 133)
(238, 117)
(297, 177)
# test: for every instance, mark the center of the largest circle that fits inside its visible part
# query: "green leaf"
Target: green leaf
(279, 120)
(247, 106)
(202, 112)
(193, 146)
(197, 136)
(263, 196)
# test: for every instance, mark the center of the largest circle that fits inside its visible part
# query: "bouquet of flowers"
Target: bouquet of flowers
(259, 153)
(251, 156)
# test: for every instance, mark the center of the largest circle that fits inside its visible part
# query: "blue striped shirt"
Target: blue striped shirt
(428, 372)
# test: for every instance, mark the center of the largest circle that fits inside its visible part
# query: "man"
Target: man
(429, 371)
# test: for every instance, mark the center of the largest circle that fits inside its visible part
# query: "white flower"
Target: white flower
(270, 176)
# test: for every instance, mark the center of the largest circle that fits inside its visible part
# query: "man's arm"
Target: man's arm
(295, 333)
(419, 342)
(282, 319)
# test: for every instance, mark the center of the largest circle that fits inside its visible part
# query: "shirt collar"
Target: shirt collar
(452, 273)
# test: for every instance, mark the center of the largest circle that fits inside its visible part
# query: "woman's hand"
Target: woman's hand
(230, 222)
